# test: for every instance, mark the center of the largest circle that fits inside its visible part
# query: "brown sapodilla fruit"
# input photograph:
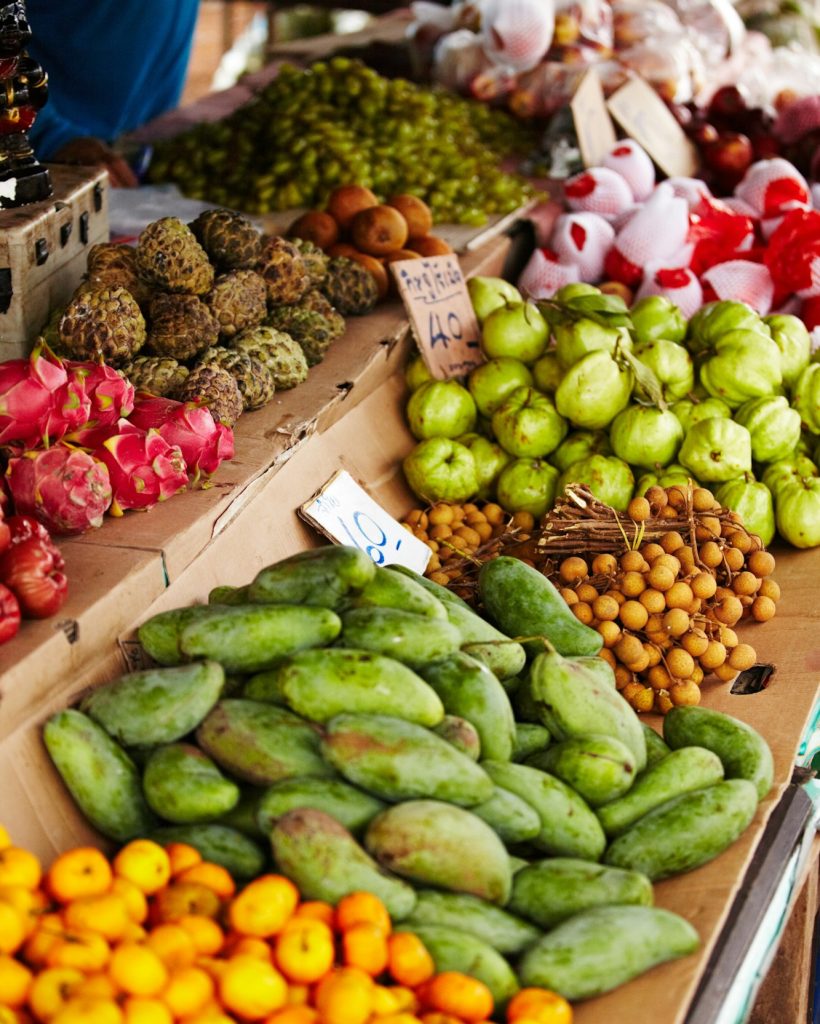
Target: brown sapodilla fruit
(315, 226)
(379, 230)
(429, 246)
(402, 254)
(346, 201)
(343, 249)
(416, 212)
(375, 268)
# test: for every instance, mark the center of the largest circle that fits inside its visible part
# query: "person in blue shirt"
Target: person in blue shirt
(112, 65)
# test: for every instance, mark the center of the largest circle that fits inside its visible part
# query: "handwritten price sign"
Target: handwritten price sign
(437, 301)
(345, 512)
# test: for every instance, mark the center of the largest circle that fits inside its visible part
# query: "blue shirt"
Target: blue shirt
(112, 65)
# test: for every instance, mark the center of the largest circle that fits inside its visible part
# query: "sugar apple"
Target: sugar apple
(181, 326)
(284, 271)
(315, 260)
(229, 239)
(168, 256)
(254, 378)
(278, 351)
(110, 264)
(313, 332)
(238, 300)
(317, 302)
(214, 387)
(158, 374)
(102, 323)
(349, 287)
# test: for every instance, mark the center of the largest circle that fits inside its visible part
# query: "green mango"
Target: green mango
(183, 785)
(325, 862)
(320, 683)
(806, 397)
(594, 390)
(774, 427)
(435, 843)
(348, 805)
(690, 412)
(671, 365)
(681, 771)
(461, 734)
(455, 950)
(397, 760)
(228, 595)
(412, 639)
(160, 634)
(262, 744)
(599, 668)
(252, 638)
(656, 749)
(579, 445)
(523, 602)
(608, 477)
(391, 590)
(753, 501)
(575, 704)
(219, 844)
(745, 365)
(645, 436)
(655, 317)
(157, 705)
(790, 335)
(717, 450)
(568, 827)
(325, 577)
(242, 817)
(469, 689)
(797, 512)
(599, 768)
(529, 739)
(686, 831)
(498, 928)
(604, 947)
(550, 891)
(101, 778)
(512, 818)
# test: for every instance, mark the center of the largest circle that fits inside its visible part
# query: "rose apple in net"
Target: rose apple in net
(441, 408)
(493, 381)
(516, 329)
(527, 485)
(527, 424)
(440, 469)
(488, 294)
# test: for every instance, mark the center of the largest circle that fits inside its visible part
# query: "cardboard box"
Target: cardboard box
(43, 251)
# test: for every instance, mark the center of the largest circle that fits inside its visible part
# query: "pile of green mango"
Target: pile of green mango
(582, 389)
(357, 727)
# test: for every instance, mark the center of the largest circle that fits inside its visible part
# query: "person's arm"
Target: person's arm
(56, 138)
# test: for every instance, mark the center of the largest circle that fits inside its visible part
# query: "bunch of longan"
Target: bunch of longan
(667, 609)
(453, 532)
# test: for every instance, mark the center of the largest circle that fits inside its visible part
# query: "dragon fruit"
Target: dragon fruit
(204, 443)
(63, 487)
(143, 467)
(29, 394)
(111, 395)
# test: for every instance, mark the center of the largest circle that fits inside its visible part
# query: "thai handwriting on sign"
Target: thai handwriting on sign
(345, 512)
(436, 298)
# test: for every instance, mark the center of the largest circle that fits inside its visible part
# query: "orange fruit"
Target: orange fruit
(384, 1001)
(299, 995)
(346, 201)
(173, 945)
(294, 1015)
(137, 970)
(181, 899)
(539, 1006)
(5, 838)
(263, 906)
(304, 950)
(29, 904)
(50, 989)
(106, 914)
(213, 876)
(247, 945)
(133, 932)
(96, 986)
(362, 908)
(210, 1015)
(13, 926)
(405, 998)
(205, 932)
(83, 871)
(188, 991)
(83, 1010)
(144, 863)
(19, 867)
(182, 856)
(15, 980)
(365, 945)
(408, 959)
(317, 910)
(395, 1018)
(460, 995)
(135, 902)
(86, 950)
(345, 996)
(47, 931)
(142, 1010)
(250, 988)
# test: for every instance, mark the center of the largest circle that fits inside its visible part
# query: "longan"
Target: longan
(604, 565)
(484, 530)
(661, 577)
(628, 649)
(623, 677)
(654, 624)
(441, 531)
(668, 560)
(605, 607)
(763, 609)
(677, 497)
(676, 622)
(494, 514)
(695, 642)
(671, 541)
(710, 554)
(761, 563)
(663, 702)
(653, 600)
(632, 583)
(606, 655)
(713, 656)
(632, 561)
(653, 653)
(680, 663)
(656, 496)
(573, 569)
(651, 551)
(638, 510)
(707, 527)
(643, 699)
(703, 500)
(583, 612)
(569, 595)
(734, 558)
(586, 592)
(742, 541)
(658, 678)
(727, 636)
(685, 694)
(686, 557)
(742, 657)
(725, 672)
(729, 611)
(769, 588)
(697, 675)
(679, 595)
(640, 663)
(703, 585)
(469, 536)
(633, 615)
(441, 514)
(418, 518)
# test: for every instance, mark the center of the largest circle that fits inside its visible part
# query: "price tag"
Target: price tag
(644, 117)
(345, 513)
(435, 296)
(593, 125)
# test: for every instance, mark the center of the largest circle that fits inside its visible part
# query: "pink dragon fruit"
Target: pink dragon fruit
(29, 390)
(143, 467)
(111, 395)
(70, 411)
(64, 487)
(204, 443)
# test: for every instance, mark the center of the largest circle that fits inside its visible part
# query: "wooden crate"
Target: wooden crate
(43, 250)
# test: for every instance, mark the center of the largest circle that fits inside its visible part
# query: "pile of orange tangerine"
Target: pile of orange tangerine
(157, 936)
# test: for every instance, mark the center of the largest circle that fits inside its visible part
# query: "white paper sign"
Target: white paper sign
(345, 512)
